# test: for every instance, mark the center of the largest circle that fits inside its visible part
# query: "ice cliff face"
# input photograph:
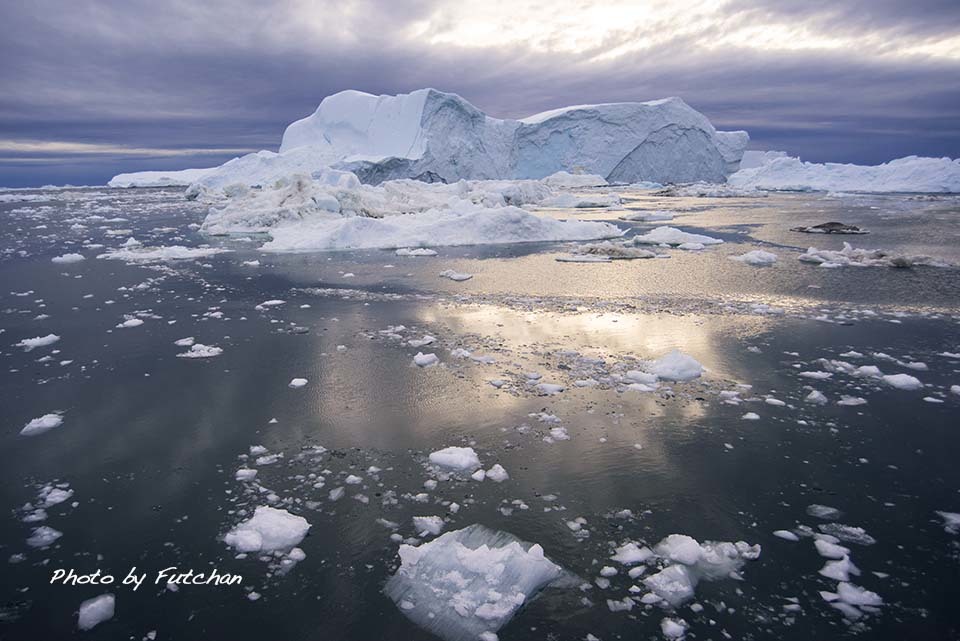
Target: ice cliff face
(434, 136)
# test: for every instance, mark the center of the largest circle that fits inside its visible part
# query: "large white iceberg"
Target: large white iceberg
(434, 136)
(470, 582)
(910, 174)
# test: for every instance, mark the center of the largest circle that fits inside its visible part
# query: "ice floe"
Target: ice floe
(43, 424)
(268, 530)
(468, 582)
(95, 611)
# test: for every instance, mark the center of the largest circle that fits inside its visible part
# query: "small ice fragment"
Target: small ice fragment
(43, 424)
(95, 611)
(297, 382)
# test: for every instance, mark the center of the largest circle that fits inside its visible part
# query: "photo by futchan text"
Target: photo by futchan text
(134, 579)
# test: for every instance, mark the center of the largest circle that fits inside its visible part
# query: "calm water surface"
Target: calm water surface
(150, 442)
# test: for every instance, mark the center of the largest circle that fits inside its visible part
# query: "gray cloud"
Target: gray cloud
(229, 75)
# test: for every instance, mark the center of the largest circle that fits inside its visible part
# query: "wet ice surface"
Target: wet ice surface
(547, 370)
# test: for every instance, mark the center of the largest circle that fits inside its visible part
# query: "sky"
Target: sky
(91, 88)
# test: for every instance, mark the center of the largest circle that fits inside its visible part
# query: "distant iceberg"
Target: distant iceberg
(434, 136)
(913, 174)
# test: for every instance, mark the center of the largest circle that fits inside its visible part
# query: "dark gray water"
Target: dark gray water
(150, 442)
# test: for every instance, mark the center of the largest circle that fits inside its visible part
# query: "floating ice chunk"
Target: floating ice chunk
(680, 548)
(816, 397)
(245, 474)
(631, 553)
(43, 536)
(647, 216)
(468, 582)
(39, 341)
(184, 342)
(830, 550)
(865, 258)
(95, 611)
(824, 512)
(610, 250)
(847, 533)
(673, 236)
(840, 570)
(458, 458)
(454, 275)
(268, 530)
(428, 524)
(418, 251)
(43, 424)
(130, 322)
(297, 382)
(68, 258)
(951, 522)
(673, 628)
(903, 381)
(851, 401)
(676, 366)
(692, 562)
(675, 584)
(786, 535)
(425, 360)
(757, 258)
(161, 254)
(198, 350)
(751, 416)
(563, 179)
(497, 474)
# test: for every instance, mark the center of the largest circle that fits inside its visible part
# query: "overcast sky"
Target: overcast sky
(89, 88)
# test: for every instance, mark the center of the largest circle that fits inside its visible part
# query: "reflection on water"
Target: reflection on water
(150, 442)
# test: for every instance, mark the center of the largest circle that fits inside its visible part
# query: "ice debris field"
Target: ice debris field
(569, 389)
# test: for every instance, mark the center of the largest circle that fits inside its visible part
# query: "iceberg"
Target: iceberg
(912, 174)
(467, 584)
(181, 178)
(434, 136)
